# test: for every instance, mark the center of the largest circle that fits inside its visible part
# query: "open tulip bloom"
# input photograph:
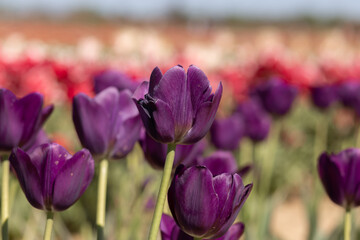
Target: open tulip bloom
(205, 206)
(339, 173)
(20, 121)
(171, 231)
(108, 125)
(176, 108)
(51, 178)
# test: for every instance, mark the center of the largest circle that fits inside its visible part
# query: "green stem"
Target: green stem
(49, 225)
(5, 198)
(347, 225)
(269, 162)
(195, 238)
(357, 143)
(101, 200)
(155, 224)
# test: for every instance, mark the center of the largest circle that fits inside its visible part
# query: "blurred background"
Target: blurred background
(57, 47)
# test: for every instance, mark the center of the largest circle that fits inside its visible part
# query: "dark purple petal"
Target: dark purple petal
(92, 120)
(72, 180)
(10, 122)
(30, 110)
(204, 118)
(155, 77)
(164, 120)
(331, 179)
(40, 138)
(28, 177)
(323, 96)
(219, 162)
(167, 225)
(193, 201)
(141, 91)
(234, 232)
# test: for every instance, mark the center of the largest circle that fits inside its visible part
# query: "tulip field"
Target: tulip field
(179, 132)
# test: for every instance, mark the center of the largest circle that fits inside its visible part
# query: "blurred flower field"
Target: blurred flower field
(287, 201)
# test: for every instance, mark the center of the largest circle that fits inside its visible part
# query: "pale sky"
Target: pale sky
(273, 9)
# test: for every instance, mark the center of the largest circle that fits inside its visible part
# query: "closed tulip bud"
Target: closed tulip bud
(178, 107)
(276, 96)
(20, 118)
(339, 173)
(155, 152)
(109, 124)
(256, 121)
(170, 231)
(226, 133)
(50, 177)
(203, 205)
(324, 96)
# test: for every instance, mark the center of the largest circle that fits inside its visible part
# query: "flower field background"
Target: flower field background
(62, 60)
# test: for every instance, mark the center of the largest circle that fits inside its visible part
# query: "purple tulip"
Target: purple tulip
(109, 124)
(226, 133)
(20, 118)
(179, 107)
(340, 176)
(112, 78)
(50, 177)
(170, 231)
(349, 95)
(323, 96)
(222, 162)
(256, 121)
(155, 152)
(203, 205)
(276, 96)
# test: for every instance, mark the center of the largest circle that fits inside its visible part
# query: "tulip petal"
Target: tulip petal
(199, 86)
(220, 162)
(91, 121)
(72, 180)
(190, 191)
(204, 118)
(10, 132)
(30, 109)
(28, 177)
(331, 179)
(167, 225)
(155, 78)
(234, 232)
(164, 121)
(141, 90)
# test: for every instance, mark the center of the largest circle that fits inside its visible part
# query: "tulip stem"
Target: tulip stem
(5, 198)
(49, 225)
(155, 224)
(347, 225)
(101, 200)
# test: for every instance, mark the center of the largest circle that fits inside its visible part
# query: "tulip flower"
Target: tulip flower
(276, 96)
(170, 231)
(112, 78)
(226, 133)
(20, 121)
(179, 107)
(323, 96)
(203, 205)
(222, 162)
(155, 152)
(20, 118)
(256, 121)
(349, 95)
(51, 178)
(339, 173)
(109, 124)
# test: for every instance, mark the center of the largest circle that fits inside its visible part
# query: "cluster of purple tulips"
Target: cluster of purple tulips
(169, 116)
